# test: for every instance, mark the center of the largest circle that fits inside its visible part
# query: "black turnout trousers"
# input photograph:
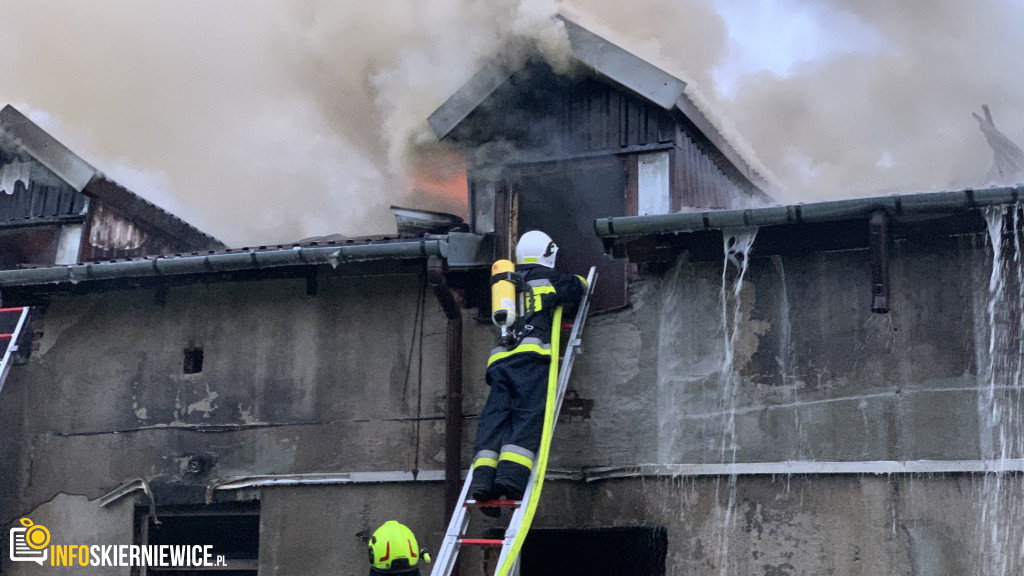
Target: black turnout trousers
(514, 412)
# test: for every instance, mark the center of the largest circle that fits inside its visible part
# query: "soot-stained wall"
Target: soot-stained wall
(290, 383)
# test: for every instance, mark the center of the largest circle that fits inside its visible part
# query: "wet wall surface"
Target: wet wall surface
(821, 377)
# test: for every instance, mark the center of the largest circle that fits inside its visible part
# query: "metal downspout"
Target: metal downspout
(879, 246)
(453, 411)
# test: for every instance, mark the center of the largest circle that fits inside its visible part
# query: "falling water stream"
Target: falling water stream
(737, 245)
(999, 396)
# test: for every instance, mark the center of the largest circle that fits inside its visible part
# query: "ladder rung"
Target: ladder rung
(494, 503)
(6, 336)
(9, 310)
(481, 542)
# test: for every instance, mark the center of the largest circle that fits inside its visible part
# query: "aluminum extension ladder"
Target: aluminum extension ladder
(522, 516)
(9, 342)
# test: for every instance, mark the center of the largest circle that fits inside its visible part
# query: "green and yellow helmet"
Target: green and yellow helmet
(393, 548)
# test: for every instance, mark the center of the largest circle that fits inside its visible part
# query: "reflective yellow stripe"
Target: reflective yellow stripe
(485, 462)
(530, 260)
(518, 349)
(536, 303)
(584, 280)
(517, 458)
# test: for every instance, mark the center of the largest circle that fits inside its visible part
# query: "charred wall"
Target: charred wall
(554, 152)
(537, 115)
(540, 116)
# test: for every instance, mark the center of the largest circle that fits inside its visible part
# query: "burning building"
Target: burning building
(614, 135)
(818, 388)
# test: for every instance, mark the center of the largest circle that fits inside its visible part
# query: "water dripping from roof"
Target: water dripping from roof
(737, 244)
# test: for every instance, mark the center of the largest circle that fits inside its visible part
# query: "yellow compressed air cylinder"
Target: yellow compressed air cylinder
(503, 295)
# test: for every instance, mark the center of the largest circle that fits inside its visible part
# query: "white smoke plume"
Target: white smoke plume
(265, 121)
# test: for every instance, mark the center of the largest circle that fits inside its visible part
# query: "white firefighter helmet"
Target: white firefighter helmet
(536, 247)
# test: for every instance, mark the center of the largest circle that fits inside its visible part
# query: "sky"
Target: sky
(265, 121)
(775, 35)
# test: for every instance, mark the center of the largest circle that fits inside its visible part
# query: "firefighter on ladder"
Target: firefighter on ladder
(512, 421)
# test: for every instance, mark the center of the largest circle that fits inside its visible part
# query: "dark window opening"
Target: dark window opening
(627, 551)
(193, 360)
(34, 246)
(233, 530)
(563, 199)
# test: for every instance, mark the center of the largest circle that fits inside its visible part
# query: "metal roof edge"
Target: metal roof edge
(928, 203)
(467, 98)
(623, 67)
(215, 262)
(46, 149)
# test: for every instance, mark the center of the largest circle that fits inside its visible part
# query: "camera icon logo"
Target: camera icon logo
(28, 543)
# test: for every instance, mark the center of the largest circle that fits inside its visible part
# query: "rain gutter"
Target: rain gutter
(897, 206)
(244, 259)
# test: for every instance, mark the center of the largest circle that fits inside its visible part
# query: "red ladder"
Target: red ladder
(9, 341)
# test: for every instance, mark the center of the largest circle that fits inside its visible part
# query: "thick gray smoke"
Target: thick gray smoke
(896, 120)
(256, 120)
(264, 121)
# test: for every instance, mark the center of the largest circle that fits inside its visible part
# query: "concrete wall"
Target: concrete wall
(334, 383)
(820, 377)
(820, 524)
(290, 384)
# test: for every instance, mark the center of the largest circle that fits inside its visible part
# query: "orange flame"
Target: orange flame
(437, 180)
